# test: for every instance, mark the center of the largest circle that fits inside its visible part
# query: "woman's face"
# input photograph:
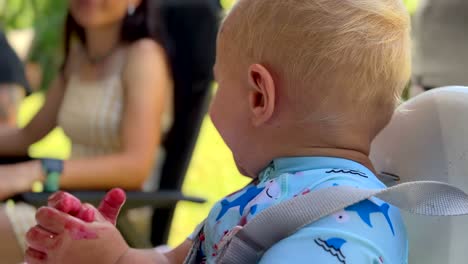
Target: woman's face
(99, 13)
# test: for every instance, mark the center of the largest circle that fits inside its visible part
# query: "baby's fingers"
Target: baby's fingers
(58, 223)
(87, 213)
(65, 202)
(69, 204)
(42, 240)
(53, 220)
(111, 204)
(33, 256)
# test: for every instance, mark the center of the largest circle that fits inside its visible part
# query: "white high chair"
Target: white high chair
(424, 146)
(427, 139)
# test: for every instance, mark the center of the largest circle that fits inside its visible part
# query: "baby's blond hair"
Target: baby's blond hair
(354, 52)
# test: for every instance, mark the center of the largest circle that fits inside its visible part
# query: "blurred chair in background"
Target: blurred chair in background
(195, 22)
(440, 44)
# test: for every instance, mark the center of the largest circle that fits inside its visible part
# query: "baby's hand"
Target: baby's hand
(109, 207)
(69, 232)
(71, 205)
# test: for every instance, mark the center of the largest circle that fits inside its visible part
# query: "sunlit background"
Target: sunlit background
(212, 173)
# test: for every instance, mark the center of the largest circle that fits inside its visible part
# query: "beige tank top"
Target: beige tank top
(91, 112)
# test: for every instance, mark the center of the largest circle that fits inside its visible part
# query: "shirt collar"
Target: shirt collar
(295, 164)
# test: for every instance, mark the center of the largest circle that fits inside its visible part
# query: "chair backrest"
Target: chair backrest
(192, 27)
(427, 140)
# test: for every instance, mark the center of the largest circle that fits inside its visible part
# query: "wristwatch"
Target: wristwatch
(53, 169)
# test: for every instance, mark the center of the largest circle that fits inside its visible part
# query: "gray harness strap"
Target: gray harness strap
(249, 243)
(192, 255)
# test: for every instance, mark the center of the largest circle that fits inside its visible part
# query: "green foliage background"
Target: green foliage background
(46, 17)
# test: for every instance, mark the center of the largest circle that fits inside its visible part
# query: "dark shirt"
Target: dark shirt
(13, 160)
(11, 67)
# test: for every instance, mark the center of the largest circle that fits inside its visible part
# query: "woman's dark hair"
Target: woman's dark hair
(145, 22)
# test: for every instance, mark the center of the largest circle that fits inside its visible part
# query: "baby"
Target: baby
(304, 87)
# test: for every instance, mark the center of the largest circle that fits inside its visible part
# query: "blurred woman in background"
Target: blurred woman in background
(112, 98)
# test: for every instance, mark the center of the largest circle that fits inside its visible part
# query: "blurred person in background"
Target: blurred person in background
(13, 83)
(112, 99)
(13, 87)
(440, 44)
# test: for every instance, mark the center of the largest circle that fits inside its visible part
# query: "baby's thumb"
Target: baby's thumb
(111, 204)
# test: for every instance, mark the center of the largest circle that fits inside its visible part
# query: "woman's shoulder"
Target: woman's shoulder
(145, 48)
(146, 59)
(145, 54)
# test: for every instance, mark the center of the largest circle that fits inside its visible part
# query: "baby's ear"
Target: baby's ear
(262, 94)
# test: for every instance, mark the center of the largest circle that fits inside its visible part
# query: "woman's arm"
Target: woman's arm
(147, 82)
(16, 141)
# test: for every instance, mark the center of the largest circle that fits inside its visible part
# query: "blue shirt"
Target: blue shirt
(370, 232)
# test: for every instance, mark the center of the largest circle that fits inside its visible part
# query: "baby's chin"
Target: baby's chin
(241, 168)
(243, 171)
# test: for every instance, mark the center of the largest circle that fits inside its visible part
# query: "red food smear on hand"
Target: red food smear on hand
(110, 206)
(79, 232)
(243, 221)
(40, 235)
(86, 214)
(65, 202)
(36, 254)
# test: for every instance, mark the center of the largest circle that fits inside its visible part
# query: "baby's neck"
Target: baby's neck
(304, 141)
(354, 155)
(358, 156)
